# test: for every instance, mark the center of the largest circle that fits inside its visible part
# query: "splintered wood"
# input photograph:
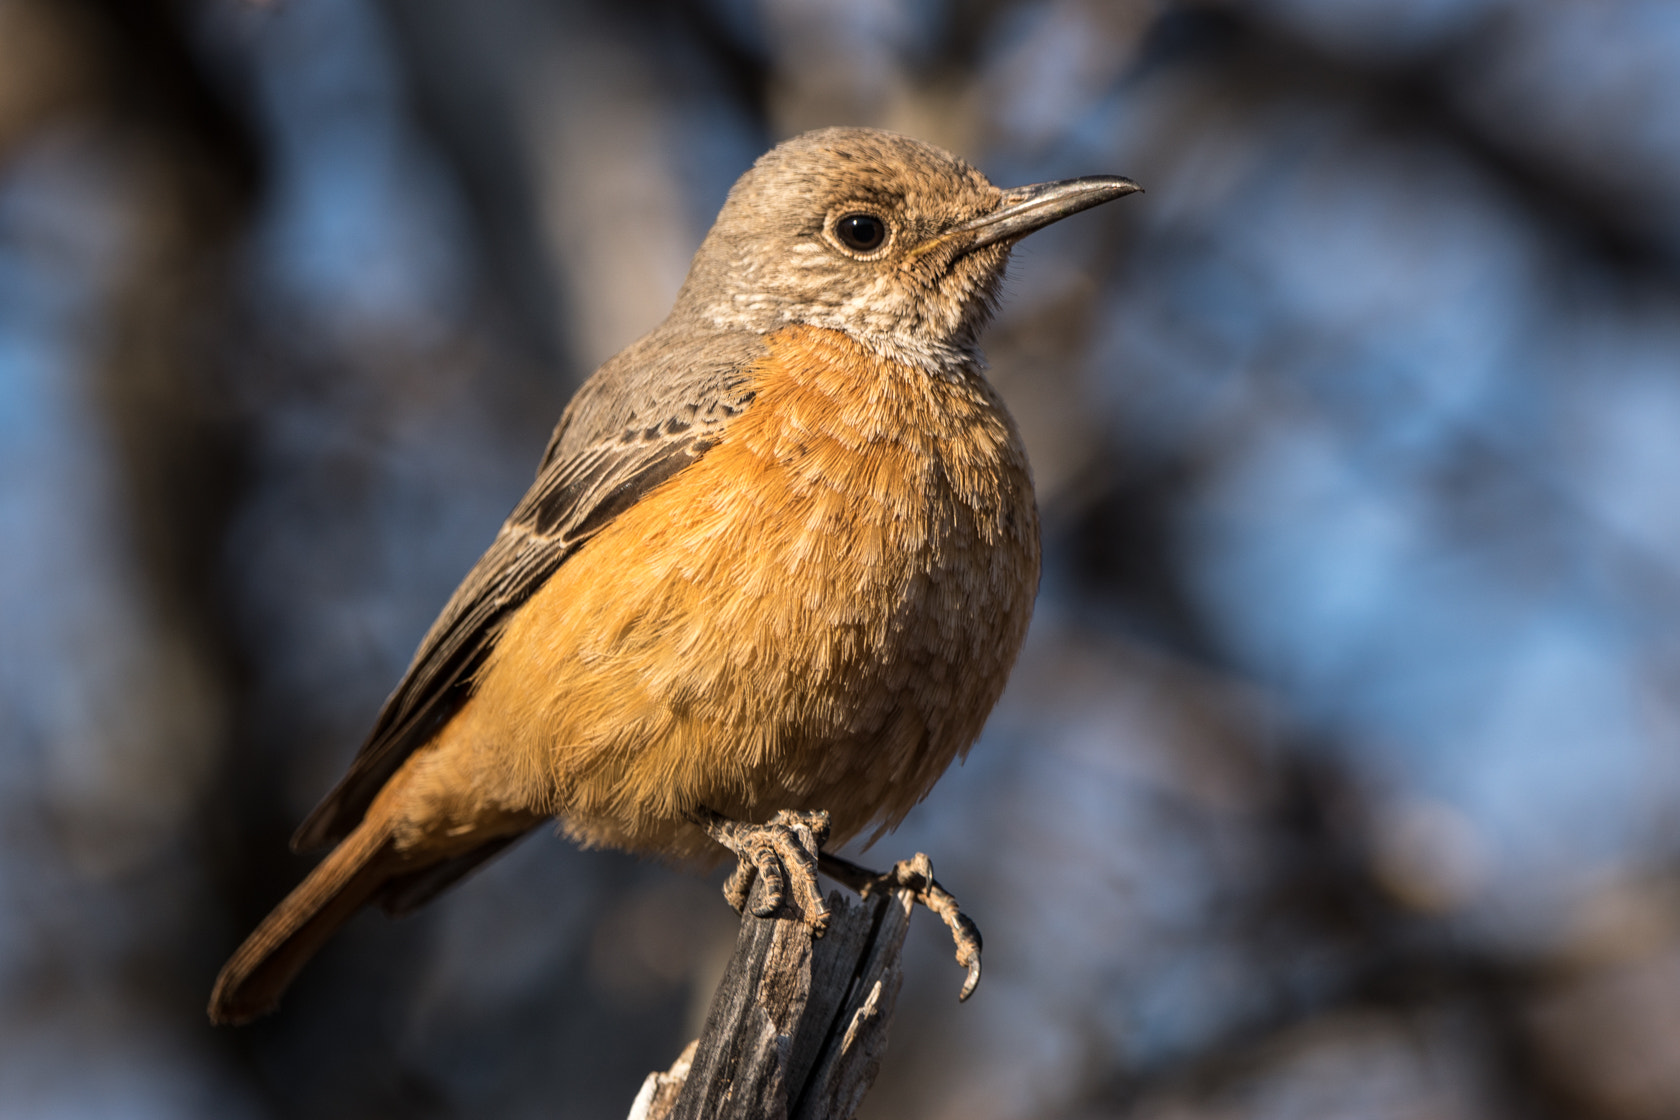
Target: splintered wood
(798, 1025)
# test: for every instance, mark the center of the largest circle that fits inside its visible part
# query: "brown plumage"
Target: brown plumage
(779, 555)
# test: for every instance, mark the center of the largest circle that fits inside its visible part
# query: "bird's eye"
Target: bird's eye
(861, 233)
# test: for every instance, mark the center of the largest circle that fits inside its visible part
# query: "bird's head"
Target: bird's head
(896, 242)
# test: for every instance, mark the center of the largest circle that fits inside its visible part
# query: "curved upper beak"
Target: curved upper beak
(1033, 207)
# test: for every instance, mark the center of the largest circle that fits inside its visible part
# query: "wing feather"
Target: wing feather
(613, 446)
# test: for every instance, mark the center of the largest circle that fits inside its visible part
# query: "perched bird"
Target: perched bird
(778, 560)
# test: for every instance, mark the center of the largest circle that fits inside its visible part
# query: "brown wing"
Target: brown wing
(644, 416)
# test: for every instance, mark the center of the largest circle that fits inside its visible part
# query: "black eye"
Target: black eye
(861, 232)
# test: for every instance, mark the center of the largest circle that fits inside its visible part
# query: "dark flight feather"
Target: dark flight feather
(613, 445)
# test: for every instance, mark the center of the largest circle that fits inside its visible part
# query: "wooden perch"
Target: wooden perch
(798, 1026)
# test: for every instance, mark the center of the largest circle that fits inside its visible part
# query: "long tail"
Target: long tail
(251, 982)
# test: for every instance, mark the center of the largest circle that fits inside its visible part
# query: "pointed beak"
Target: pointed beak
(1026, 209)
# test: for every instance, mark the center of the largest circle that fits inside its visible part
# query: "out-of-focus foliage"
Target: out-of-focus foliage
(1341, 775)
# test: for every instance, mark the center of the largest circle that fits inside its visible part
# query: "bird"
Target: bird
(776, 565)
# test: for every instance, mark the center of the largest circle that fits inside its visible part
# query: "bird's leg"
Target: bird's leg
(782, 850)
(916, 875)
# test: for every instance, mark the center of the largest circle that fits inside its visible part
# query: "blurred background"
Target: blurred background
(1341, 774)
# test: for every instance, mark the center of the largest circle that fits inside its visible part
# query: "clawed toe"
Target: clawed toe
(916, 875)
(780, 851)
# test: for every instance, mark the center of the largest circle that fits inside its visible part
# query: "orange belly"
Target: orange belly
(819, 614)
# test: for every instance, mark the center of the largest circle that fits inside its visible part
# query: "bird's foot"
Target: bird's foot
(783, 850)
(916, 876)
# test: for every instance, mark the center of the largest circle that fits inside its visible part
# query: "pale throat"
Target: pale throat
(936, 335)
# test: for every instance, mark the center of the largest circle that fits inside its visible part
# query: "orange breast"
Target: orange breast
(820, 613)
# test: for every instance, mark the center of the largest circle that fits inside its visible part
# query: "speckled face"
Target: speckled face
(858, 231)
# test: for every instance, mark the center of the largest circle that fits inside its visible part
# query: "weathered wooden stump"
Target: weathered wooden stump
(797, 1028)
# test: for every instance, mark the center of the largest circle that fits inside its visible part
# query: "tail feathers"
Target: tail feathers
(251, 982)
(405, 892)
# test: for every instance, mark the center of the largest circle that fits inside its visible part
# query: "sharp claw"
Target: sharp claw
(817, 915)
(916, 876)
